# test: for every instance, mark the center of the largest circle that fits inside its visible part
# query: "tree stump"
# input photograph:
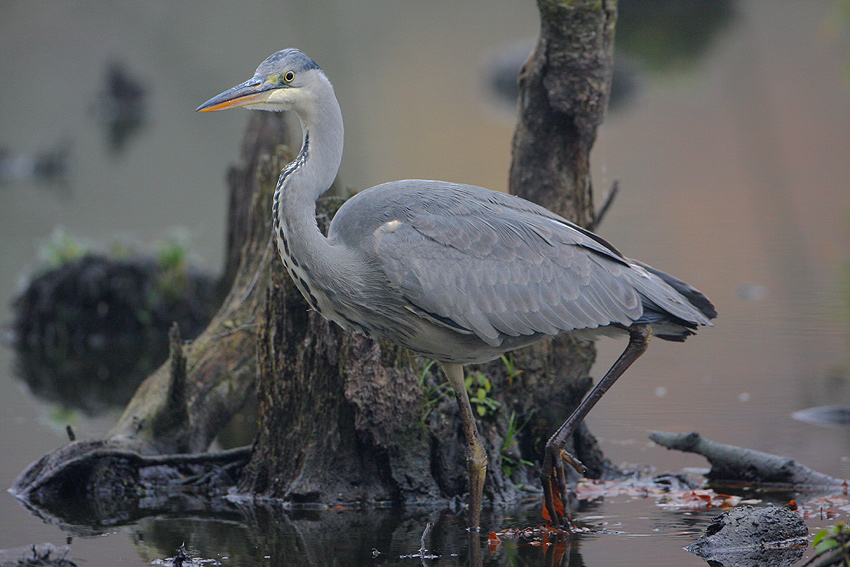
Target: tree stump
(342, 417)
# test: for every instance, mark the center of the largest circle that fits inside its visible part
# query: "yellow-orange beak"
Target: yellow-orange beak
(252, 91)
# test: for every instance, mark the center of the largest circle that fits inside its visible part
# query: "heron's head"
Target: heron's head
(288, 80)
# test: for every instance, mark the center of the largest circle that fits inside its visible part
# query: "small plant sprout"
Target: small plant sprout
(510, 462)
(431, 393)
(832, 547)
(478, 386)
(61, 248)
(510, 366)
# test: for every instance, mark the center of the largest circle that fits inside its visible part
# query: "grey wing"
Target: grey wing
(495, 270)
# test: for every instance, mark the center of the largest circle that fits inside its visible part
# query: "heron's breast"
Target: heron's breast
(300, 275)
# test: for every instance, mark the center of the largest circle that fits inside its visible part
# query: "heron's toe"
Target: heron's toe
(573, 461)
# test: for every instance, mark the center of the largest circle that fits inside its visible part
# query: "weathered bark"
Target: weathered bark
(564, 90)
(108, 484)
(220, 364)
(265, 132)
(339, 411)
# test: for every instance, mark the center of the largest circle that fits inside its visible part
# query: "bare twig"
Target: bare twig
(606, 204)
(422, 550)
(423, 553)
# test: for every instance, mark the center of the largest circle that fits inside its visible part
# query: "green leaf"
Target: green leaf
(826, 545)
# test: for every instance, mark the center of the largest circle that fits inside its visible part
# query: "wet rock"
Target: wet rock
(749, 536)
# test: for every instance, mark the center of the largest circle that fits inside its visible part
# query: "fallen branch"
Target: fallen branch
(731, 463)
(101, 483)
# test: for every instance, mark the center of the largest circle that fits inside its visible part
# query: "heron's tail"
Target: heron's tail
(673, 308)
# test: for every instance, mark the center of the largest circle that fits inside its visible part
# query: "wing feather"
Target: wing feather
(499, 266)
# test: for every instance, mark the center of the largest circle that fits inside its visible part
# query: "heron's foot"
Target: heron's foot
(477, 465)
(556, 497)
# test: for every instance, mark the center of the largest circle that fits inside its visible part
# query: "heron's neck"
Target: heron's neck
(321, 148)
(314, 170)
(303, 181)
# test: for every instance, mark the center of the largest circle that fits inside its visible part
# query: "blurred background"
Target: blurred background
(729, 135)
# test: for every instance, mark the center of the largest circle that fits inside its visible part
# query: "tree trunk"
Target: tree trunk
(221, 363)
(339, 411)
(564, 90)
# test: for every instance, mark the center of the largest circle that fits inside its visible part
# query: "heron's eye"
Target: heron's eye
(288, 76)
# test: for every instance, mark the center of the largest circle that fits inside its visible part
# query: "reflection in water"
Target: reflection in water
(258, 534)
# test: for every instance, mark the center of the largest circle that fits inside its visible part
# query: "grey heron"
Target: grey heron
(457, 273)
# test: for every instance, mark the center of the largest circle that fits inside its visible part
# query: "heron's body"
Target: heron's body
(469, 273)
(455, 272)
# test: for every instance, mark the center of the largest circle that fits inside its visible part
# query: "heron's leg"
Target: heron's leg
(476, 457)
(554, 479)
